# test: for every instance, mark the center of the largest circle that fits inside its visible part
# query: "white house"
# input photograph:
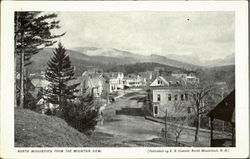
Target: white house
(166, 81)
(133, 80)
(93, 83)
(166, 93)
(116, 81)
(191, 78)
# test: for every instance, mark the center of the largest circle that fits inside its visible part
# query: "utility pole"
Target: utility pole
(223, 122)
(165, 124)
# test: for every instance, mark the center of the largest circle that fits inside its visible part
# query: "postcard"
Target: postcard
(128, 79)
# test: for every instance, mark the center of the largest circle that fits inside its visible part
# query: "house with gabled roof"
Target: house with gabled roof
(93, 83)
(41, 86)
(147, 77)
(166, 93)
(224, 111)
(166, 81)
(116, 80)
(134, 80)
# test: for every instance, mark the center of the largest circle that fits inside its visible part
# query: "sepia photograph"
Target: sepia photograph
(125, 79)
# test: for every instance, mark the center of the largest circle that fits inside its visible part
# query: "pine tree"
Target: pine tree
(32, 33)
(60, 73)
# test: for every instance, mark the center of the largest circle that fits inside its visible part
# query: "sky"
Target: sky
(205, 35)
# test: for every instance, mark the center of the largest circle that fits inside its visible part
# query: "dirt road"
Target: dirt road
(124, 120)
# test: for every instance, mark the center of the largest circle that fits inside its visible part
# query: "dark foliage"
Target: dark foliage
(219, 74)
(60, 73)
(29, 101)
(141, 67)
(48, 112)
(32, 33)
(83, 115)
(83, 120)
(36, 31)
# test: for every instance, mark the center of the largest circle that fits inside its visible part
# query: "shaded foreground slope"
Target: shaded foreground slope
(38, 130)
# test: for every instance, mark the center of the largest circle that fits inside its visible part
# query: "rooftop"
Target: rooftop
(225, 110)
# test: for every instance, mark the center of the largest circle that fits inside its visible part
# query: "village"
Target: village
(105, 87)
(159, 101)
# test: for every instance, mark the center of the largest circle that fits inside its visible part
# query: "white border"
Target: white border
(7, 74)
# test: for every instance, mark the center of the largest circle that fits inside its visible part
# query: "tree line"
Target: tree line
(140, 67)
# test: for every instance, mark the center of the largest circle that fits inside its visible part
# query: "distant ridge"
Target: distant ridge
(228, 60)
(108, 58)
(133, 57)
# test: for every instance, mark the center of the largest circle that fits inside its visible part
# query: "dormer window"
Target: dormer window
(159, 82)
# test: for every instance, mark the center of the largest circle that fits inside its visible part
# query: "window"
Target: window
(156, 110)
(182, 97)
(186, 97)
(158, 97)
(176, 97)
(159, 82)
(189, 110)
(169, 97)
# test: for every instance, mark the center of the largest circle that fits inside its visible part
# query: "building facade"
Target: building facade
(168, 96)
(168, 100)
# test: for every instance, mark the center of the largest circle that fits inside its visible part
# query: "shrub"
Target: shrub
(82, 120)
(85, 121)
(48, 112)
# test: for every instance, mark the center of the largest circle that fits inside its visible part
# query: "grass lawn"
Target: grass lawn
(39, 130)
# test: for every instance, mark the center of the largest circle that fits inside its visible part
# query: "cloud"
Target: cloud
(207, 35)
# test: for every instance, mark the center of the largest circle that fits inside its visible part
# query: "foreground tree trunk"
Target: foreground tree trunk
(197, 129)
(22, 74)
(32, 33)
(15, 65)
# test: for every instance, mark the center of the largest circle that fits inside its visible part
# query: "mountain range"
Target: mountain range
(129, 57)
(187, 61)
(85, 57)
(228, 60)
